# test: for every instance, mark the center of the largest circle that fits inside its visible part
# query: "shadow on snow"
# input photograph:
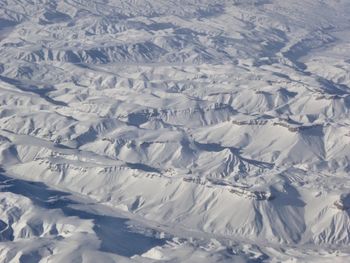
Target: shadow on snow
(113, 232)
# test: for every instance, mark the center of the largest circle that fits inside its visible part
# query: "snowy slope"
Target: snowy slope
(174, 131)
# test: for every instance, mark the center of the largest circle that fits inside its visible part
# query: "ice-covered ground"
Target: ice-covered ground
(174, 131)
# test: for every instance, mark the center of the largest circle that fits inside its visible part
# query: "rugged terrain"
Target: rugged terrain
(174, 131)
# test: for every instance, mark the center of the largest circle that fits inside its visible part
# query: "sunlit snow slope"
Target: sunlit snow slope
(174, 131)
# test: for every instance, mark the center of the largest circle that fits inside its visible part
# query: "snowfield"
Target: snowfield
(174, 131)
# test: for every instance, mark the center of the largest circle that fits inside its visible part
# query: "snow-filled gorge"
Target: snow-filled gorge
(174, 131)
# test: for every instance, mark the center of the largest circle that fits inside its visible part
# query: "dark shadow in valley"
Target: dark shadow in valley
(6, 26)
(289, 197)
(143, 167)
(332, 88)
(115, 235)
(214, 147)
(41, 92)
(344, 203)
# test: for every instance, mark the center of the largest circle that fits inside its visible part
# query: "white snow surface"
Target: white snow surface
(174, 131)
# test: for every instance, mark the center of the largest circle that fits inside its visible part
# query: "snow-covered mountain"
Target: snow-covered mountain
(174, 131)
